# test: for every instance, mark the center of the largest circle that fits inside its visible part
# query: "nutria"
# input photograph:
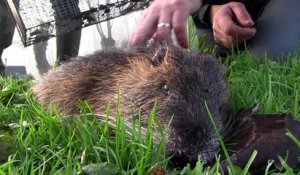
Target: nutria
(179, 80)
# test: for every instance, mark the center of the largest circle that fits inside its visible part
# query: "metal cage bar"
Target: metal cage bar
(38, 20)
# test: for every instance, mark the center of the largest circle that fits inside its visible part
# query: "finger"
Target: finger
(228, 38)
(230, 28)
(163, 31)
(144, 30)
(241, 32)
(217, 37)
(242, 15)
(179, 22)
(222, 39)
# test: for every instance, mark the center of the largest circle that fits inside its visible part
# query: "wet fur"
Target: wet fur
(140, 75)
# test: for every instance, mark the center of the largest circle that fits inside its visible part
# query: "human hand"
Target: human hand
(231, 24)
(162, 16)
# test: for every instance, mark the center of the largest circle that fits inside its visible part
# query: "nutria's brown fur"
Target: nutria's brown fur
(181, 81)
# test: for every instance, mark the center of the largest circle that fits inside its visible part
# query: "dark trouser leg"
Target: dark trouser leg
(2, 67)
(6, 31)
(1, 51)
(278, 29)
(68, 45)
(7, 27)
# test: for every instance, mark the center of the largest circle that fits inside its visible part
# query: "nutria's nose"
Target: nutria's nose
(191, 155)
(189, 144)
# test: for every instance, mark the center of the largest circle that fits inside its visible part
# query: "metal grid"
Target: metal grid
(42, 19)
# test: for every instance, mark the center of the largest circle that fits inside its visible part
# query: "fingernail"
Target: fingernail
(249, 22)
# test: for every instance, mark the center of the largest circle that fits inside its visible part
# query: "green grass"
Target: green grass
(47, 143)
(41, 142)
(274, 85)
(34, 141)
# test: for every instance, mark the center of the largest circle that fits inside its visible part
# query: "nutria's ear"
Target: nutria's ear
(159, 56)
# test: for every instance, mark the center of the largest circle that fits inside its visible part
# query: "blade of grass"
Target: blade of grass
(219, 137)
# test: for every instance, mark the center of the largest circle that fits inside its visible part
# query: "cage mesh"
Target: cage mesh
(42, 19)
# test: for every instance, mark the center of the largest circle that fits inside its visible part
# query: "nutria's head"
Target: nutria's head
(181, 82)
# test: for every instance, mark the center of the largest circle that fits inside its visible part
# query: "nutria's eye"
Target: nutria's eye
(165, 89)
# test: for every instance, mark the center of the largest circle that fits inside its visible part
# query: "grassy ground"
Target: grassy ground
(33, 141)
(40, 142)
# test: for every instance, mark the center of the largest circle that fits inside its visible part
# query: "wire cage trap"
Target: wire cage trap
(42, 19)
